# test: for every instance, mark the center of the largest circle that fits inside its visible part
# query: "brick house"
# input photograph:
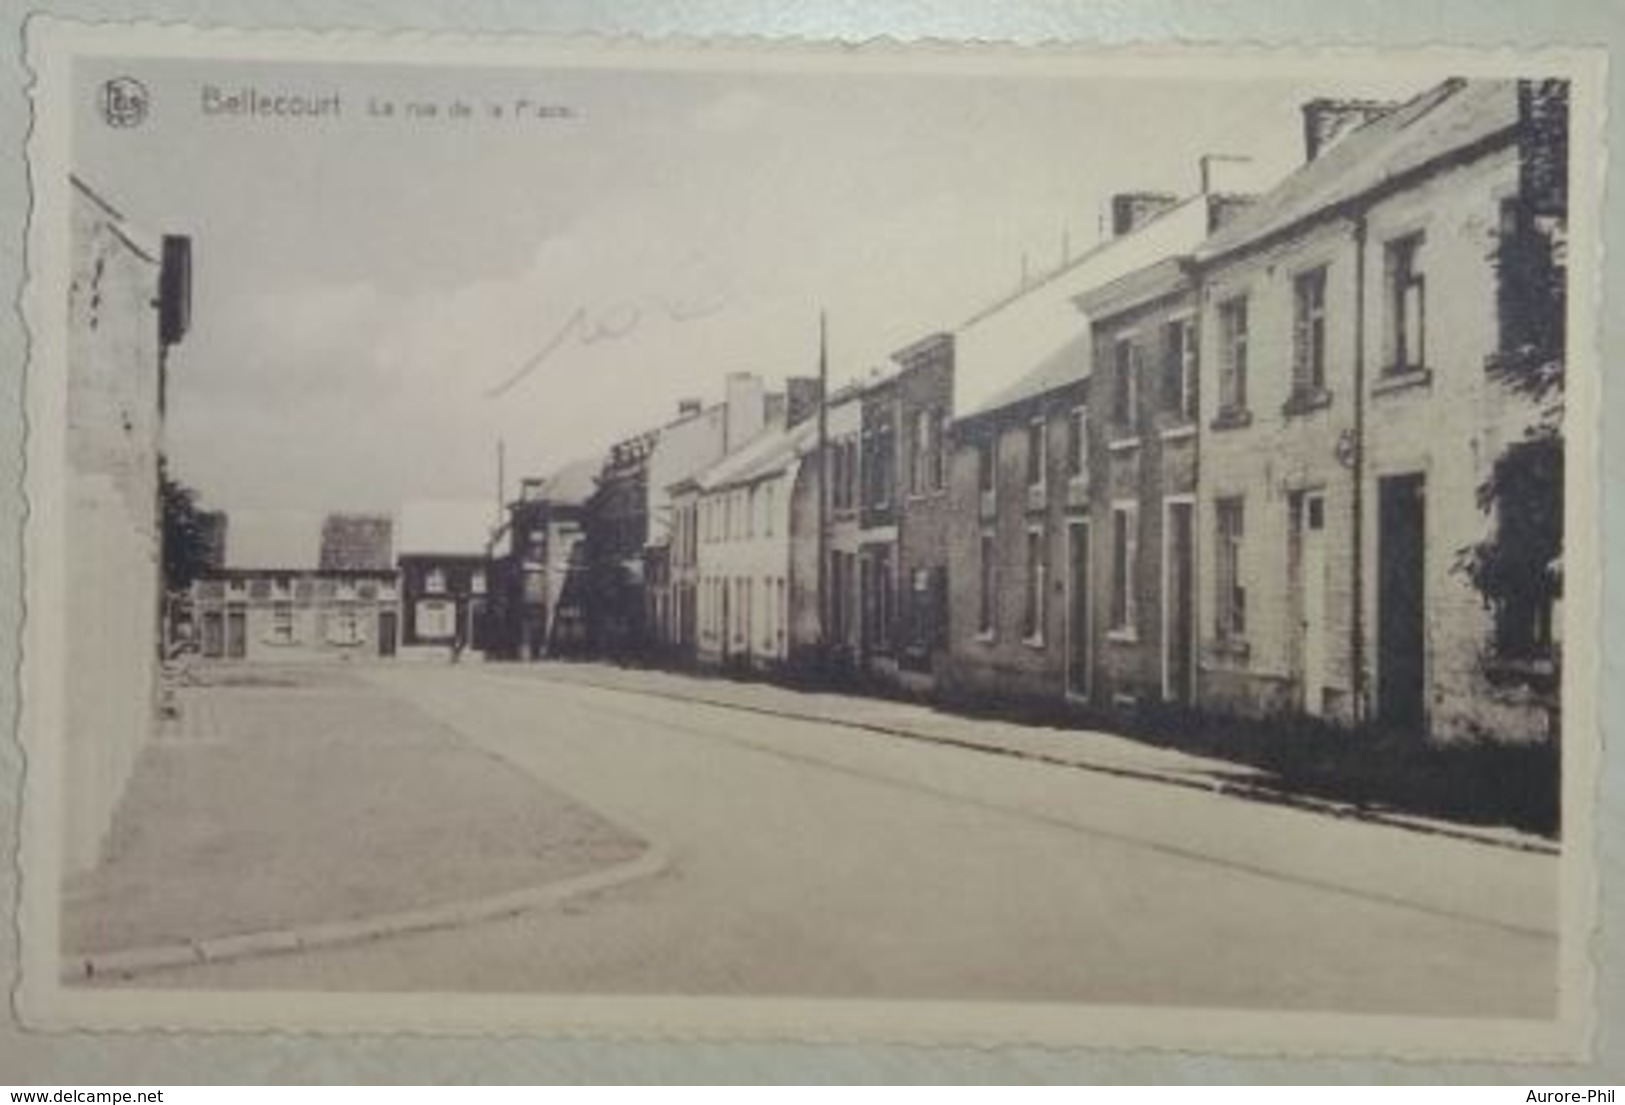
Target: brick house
(1031, 476)
(877, 516)
(536, 565)
(1347, 322)
(1143, 434)
(443, 558)
(924, 388)
(1020, 544)
(826, 635)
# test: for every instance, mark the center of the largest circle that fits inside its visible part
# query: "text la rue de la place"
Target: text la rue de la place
(260, 103)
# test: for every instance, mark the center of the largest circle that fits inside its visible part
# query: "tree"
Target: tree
(189, 533)
(1518, 567)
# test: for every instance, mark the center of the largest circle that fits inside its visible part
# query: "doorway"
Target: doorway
(1310, 530)
(236, 633)
(1401, 555)
(1179, 606)
(1077, 609)
(387, 631)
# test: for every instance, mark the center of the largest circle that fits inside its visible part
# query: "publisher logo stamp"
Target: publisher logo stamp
(124, 102)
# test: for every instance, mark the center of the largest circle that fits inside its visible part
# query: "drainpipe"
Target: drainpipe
(1357, 588)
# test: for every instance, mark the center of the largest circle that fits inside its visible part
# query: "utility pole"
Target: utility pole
(823, 482)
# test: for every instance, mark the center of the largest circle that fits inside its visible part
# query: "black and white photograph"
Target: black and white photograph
(895, 543)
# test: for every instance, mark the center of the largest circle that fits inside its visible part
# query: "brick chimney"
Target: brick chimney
(747, 409)
(1132, 210)
(1326, 121)
(688, 408)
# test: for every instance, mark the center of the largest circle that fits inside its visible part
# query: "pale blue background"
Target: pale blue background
(157, 1058)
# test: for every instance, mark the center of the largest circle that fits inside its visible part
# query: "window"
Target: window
(919, 449)
(880, 460)
(1179, 368)
(282, 623)
(851, 481)
(1233, 355)
(1125, 555)
(937, 450)
(343, 627)
(838, 490)
(876, 586)
(1032, 624)
(986, 469)
(1407, 306)
(987, 593)
(1231, 598)
(1530, 282)
(1077, 443)
(434, 582)
(1036, 459)
(476, 582)
(435, 619)
(1520, 570)
(767, 510)
(1125, 382)
(1309, 332)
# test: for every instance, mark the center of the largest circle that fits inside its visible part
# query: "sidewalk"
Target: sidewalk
(284, 806)
(1083, 749)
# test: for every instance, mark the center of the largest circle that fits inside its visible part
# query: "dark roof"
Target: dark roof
(1436, 125)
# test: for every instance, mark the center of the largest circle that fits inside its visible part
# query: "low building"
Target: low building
(444, 563)
(296, 614)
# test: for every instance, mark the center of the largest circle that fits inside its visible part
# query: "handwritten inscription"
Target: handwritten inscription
(587, 326)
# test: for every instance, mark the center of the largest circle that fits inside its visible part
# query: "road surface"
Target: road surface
(813, 859)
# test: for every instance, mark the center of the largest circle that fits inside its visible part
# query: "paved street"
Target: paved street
(812, 858)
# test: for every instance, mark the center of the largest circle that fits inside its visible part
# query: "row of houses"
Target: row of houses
(1234, 458)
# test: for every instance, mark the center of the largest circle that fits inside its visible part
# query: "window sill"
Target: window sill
(1393, 380)
(1123, 444)
(1179, 432)
(1123, 637)
(1230, 650)
(1232, 418)
(1306, 401)
(1033, 642)
(984, 637)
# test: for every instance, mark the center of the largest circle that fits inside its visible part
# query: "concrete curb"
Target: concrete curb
(1507, 839)
(128, 962)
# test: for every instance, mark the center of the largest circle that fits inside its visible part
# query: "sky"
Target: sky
(379, 300)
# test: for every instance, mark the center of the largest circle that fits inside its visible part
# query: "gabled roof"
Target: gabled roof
(1428, 129)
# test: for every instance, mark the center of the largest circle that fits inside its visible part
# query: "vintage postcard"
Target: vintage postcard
(728, 540)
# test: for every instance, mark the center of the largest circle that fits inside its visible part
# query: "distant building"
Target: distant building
(746, 548)
(699, 437)
(128, 302)
(296, 615)
(444, 564)
(615, 521)
(357, 542)
(538, 566)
